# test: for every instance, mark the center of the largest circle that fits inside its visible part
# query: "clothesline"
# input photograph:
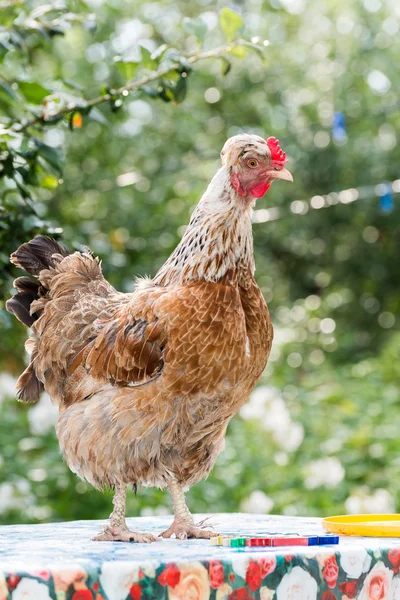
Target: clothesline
(384, 191)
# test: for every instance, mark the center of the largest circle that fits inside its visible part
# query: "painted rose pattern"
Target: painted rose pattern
(59, 562)
(353, 573)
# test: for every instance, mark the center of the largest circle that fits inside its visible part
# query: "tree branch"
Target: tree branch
(129, 87)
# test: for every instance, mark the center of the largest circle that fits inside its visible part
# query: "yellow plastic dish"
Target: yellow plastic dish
(364, 525)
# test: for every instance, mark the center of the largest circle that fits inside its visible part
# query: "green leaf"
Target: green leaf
(166, 93)
(158, 52)
(51, 155)
(41, 10)
(148, 61)
(230, 22)
(226, 66)
(180, 90)
(49, 182)
(196, 27)
(24, 145)
(150, 91)
(127, 68)
(33, 92)
(239, 51)
(7, 89)
(32, 222)
(173, 76)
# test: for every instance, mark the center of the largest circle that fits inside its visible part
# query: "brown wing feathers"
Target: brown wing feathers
(127, 351)
(86, 335)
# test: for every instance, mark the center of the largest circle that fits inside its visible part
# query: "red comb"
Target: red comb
(277, 154)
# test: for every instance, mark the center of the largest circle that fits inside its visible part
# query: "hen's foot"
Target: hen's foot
(119, 534)
(186, 529)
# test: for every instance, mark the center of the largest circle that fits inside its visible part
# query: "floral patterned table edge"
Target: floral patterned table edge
(328, 574)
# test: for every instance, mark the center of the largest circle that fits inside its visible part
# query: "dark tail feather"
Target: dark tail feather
(34, 256)
(29, 387)
(19, 305)
(26, 285)
(37, 254)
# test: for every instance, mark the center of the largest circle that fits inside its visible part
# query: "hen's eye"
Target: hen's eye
(252, 163)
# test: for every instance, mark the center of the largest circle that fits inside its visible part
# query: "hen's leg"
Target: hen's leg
(117, 530)
(183, 525)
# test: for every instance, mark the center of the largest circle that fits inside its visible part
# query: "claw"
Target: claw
(201, 523)
(186, 529)
(117, 534)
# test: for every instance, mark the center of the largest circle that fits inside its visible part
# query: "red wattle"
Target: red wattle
(259, 189)
(235, 181)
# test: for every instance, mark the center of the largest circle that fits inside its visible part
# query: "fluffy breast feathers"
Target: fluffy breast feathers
(184, 338)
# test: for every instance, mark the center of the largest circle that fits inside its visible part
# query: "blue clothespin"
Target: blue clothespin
(386, 201)
(328, 539)
(339, 127)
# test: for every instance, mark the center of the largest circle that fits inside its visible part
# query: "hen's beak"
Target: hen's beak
(282, 174)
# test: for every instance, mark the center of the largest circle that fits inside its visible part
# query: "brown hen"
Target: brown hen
(147, 382)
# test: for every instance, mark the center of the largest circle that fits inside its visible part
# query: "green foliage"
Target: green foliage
(28, 108)
(122, 176)
(33, 92)
(230, 23)
(197, 27)
(127, 68)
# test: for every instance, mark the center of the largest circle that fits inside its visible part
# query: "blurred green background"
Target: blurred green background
(320, 434)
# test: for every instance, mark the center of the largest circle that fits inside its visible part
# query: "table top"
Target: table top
(59, 560)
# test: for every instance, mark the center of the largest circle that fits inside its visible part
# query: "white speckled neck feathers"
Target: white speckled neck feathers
(218, 239)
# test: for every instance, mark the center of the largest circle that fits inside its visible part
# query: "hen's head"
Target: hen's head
(254, 163)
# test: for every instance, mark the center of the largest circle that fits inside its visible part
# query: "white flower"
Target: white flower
(325, 471)
(276, 415)
(363, 501)
(395, 588)
(42, 416)
(354, 562)
(6, 496)
(7, 386)
(117, 579)
(149, 569)
(30, 589)
(354, 505)
(297, 585)
(289, 437)
(14, 495)
(255, 408)
(269, 408)
(239, 564)
(257, 502)
(284, 335)
(381, 501)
